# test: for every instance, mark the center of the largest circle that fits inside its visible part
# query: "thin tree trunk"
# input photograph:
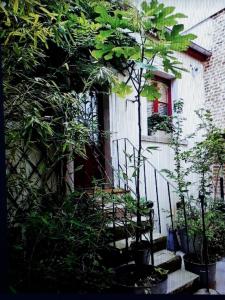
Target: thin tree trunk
(138, 234)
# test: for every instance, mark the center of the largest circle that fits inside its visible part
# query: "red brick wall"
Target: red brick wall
(215, 72)
(217, 173)
(214, 78)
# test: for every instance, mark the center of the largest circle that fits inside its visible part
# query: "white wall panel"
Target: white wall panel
(123, 124)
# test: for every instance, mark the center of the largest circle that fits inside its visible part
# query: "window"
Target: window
(159, 110)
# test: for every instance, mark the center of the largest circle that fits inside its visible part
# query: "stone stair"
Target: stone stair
(182, 282)
(179, 280)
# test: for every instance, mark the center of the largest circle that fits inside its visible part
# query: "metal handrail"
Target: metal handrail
(146, 159)
(113, 169)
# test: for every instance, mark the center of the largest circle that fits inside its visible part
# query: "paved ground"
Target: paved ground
(220, 277)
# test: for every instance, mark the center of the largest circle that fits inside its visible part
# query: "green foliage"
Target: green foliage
(122, 89)
(214, 222)
(137, 37)
(180, 173)
(199, 160)
(158, 122)
(58, 247)
(153, 18)
(210, 150)
(48, 76)
(150, 92)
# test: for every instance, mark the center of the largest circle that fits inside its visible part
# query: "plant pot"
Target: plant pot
(200, 270)
(141, 252)
(172, 241)
(128, 275)
(113, 257)
(183, 242)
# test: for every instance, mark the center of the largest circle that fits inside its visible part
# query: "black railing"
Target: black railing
(222, 188)
(153, 184)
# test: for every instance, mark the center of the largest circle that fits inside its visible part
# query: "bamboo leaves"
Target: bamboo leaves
(15, 6)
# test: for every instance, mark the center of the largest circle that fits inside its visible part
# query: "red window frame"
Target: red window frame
(156, 102)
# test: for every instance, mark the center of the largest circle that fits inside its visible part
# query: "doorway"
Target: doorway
(96, 167)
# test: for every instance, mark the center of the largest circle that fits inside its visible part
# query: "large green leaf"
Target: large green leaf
(144, 66)
(104, 34)
(176, 30)
(122, 89)
(150, 92)
(178, 41)
(98, 53)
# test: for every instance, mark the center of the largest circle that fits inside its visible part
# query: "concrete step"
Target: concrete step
(182, 282)
(159, 241)
(167, 260)
(119, 223)
(100, 191)
(119, 231)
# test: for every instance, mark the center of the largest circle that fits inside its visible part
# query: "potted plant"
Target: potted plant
(138, 279)
(210, 150)
(194, 260)
(178, 175)
(142, 250)
(189, 216)
(137, 53)
(159, 122)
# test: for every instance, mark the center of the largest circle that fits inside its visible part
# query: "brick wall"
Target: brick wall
(214, 76)
(218, 177)
(214, 79)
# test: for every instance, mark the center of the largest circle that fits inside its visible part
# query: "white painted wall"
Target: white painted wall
(195, 10)
(204, 32)
(198, 19)
(123, 124)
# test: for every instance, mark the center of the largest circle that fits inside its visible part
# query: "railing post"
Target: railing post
(118, 161)
(151, 218)
(114, 224)
(126, 172)
(221, 188)
(125, 216)
(185, 221)
(146, 195)
(157, 199)
(171, 213)
(113, 182)
(205, 243)
(135, 178)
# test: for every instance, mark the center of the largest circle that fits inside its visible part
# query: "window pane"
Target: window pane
(158, 108)
(149, 108)
(163, 109)
(163, 89)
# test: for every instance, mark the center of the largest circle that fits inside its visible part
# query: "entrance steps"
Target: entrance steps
(179, 280)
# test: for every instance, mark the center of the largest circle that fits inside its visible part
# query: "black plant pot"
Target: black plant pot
(183, 242)
(172, 241)
(200, 270)
(141, 252)
(113, 257)
(127, 275)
